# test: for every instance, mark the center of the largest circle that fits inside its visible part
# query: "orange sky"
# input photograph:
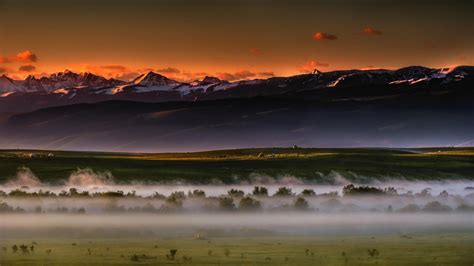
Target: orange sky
(234, 39)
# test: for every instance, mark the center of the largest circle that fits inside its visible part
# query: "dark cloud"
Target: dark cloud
(371, 31)
(26, 57)
(4, 59)
(27, 68)
(226, 76)
(324, 36)
(169, 70)
(127, 76)
(244, 74)
(267, 74)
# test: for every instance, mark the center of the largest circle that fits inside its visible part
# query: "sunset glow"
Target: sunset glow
(188, 40)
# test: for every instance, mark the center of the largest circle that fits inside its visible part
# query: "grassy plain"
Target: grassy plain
(428, 249)
(229, 166)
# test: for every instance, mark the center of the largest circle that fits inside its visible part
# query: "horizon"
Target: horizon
(67, 70)
(187, 40)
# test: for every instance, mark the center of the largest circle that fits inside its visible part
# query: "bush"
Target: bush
(249, 204)
(197, 193)
(351, 190)
(226, 203)
(260, 191)
(301, 204)
(236, 193)
(308, 193)
(284, 192)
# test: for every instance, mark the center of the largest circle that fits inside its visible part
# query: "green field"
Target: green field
(436, 249)
(228, 166)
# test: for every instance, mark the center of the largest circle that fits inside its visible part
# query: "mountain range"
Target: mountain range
(67, 87)
(409, 107)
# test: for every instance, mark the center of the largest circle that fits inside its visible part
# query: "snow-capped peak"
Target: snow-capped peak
(153, 79)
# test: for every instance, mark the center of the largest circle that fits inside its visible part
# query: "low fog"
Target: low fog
(92, 204)
(227, 225)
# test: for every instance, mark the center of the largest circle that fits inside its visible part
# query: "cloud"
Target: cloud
(256, 51)
(27, 68)
(116, 68)
(107, 68)
(309, 66)
(114, 71)
(26, 57)
(190, 76)
(127, 76)
(244, 74)
(168, 70)
(226, 76)
(371, 31)
(323, 36)
(3, 70)
(267, 74)
(4, 59)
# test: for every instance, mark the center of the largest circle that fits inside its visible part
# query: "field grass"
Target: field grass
(434, 249)
(229, 166)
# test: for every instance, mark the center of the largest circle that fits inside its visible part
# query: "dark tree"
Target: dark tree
(283, 192)
(260, 191)
(236, 193)
(249, 204)
(226, 203)
(301, 204)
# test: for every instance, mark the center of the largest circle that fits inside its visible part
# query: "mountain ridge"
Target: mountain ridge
(67, 87)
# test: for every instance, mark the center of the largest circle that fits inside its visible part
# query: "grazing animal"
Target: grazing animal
(227, 252)
(373, 253)
(24, 249)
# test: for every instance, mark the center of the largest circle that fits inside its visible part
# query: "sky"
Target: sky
(231, 39)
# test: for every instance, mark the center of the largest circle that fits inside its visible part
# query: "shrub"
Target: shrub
(249, 204)
(236, 193)
(260, 191)
(301, 204)
(308, 193)
(226, 203)
(197, 193)
(283, 192)
(351, 190)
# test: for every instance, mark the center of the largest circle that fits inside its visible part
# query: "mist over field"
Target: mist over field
(242, 224)
(112, 209)
(94, 181)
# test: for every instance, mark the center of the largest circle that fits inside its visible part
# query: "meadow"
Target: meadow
(233, 166)
(417, 249)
